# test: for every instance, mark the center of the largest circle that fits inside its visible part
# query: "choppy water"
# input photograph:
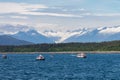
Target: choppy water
(60, 67)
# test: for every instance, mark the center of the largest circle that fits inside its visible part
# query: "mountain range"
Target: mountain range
(32, 36)
(88, 35)
(8, 40)
(96, 35)
(79, 35)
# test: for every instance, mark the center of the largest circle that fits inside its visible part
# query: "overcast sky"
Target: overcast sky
(60, 14)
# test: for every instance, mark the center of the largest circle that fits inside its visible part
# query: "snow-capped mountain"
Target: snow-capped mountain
(53, 36)
(97, 35)
(32, 36)
(79, 35)
(60, 36)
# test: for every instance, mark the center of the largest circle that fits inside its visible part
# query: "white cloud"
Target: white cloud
(79, 9)
(17, 13)
(28, 9)
(42, 27)
(19, 7)
(13, 23)
(1, 16)
(106, 14)
(19, 17)
(100, 14)
(33, 6)
(110, 30)
(50, 14)
(71, 10)
(11, 29)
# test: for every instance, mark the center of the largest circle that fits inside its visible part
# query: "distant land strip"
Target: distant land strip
(93, 47)
(68, 52)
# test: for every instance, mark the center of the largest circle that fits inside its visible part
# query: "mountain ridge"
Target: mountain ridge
(32, 36)
(96, 35)
(8, 40)
(75, 35)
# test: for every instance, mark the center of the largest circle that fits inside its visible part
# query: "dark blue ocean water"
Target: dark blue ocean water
(60, 67)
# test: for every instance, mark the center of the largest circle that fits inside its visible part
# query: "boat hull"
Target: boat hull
(40, 59)
(81, 55)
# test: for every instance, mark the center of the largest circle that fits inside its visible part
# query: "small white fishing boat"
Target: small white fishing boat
(4, 56)
(81, 55)
(40, 57)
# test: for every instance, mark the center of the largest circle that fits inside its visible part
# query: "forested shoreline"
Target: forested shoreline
(59, 47)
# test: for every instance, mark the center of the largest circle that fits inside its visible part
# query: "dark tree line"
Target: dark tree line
(102, 46)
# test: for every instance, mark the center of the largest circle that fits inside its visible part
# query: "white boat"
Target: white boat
(81, 55)
(4, 56)
(40, 57)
